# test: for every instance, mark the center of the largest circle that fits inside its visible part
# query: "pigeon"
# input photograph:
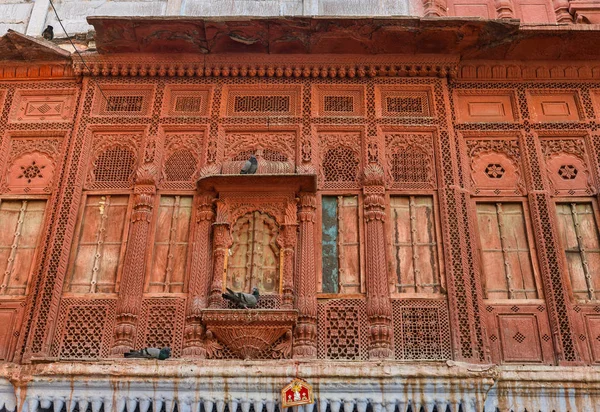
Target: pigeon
(48, 33)
(250, 166)
(242, 300)
(149, 353)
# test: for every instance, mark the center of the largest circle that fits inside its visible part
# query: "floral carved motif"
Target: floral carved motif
(275, 205)
(31, 165)
(409, 160)
(248, 334)
(495, 166)
(282, 142)
(567, 166)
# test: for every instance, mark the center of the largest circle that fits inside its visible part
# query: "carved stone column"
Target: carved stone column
(221, 243)
(132, 281)
(305, 334)
(379, 306)
(287, 241)
(200, 277)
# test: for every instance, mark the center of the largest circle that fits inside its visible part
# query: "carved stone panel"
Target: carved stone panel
(10, 322)
(182, 159)
(567, 166)
(275, 151)
(592, 323)
(338, 101)
(478, 106)
(245, 101)
(161, 324)
(341, 161)
(187, 100)
(519, 333)
(123, 100)
(31, 164)
(115, 157)
(84, 328)
(403, 101)
(56, 105)
(495, 167)
(249, 334)
(409, 160)
(555, 106)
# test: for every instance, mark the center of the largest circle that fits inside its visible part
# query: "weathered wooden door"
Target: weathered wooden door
(254, 255)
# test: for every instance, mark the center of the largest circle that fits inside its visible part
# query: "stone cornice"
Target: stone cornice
(124, 385)
(518, 70)
(280, 66)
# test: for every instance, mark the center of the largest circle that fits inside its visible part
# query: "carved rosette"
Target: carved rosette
(200, 274)
(379, 307)
(132, 283)
(249, 334)
(305, 333)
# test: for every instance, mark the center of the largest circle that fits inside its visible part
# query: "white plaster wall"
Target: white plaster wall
(363, 8)
(242, 8)
(17, 14)
(14, 14)
(74, 12)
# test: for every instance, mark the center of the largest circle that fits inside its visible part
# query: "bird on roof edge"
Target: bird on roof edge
(48, 33)
(149, 353)
(250, 166)
(242, 300)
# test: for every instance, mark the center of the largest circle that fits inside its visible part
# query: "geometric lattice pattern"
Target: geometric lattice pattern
(342, 330)
(421, 330)
(261, 104)
(340, 165)
(124, 104)
(180, 166)
(339, 104)
(406, 104)
(161, 324)
(84, 328)
(410, 166)
(115, 165)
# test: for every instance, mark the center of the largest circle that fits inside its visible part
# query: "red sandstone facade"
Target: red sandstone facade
(406, 207)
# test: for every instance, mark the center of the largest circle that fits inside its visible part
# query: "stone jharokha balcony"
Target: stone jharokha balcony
(423, 223)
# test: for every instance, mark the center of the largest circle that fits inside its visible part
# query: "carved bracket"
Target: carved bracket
(250, 334)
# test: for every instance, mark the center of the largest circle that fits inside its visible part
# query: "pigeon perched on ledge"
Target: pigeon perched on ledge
(250, 166)
(48, 33)
(242, 300)
(149, 353)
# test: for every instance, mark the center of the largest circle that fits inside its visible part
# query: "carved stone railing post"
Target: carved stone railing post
(221, 243)
(200, 277)
(379, 306)
(435, 8)
(132, 281)
(305, 334)
(504, 9)
(287, 240)
(561, 9)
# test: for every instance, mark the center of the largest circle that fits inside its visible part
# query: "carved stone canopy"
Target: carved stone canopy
(258, 183)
